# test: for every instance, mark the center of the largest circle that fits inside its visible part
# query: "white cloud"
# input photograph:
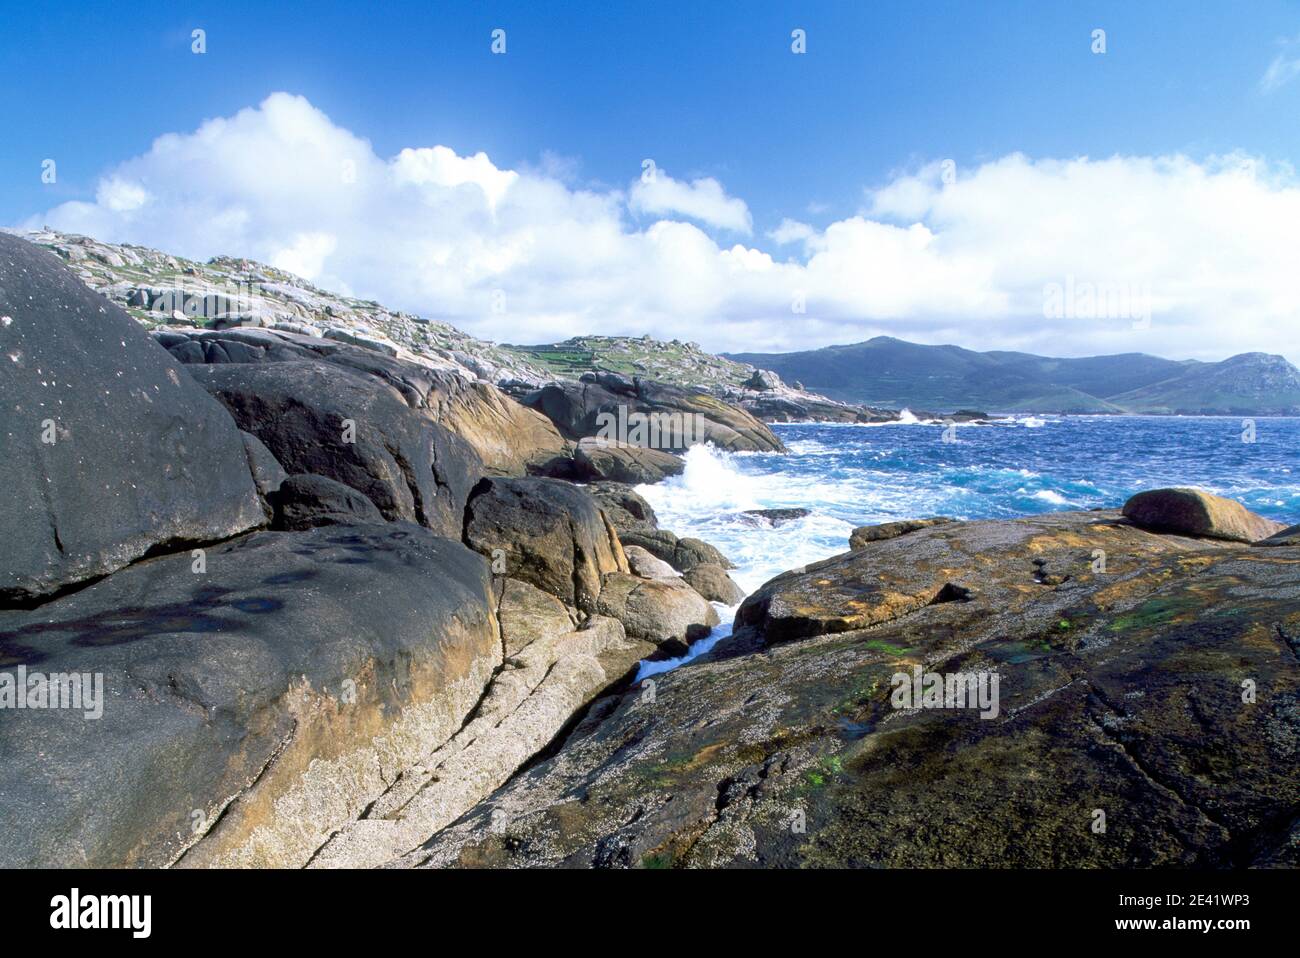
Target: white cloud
(790, 231)
(441, 166)
(704, 200)
(119, 195)
(1210, 243)
(1284, 67)
(307, 254)
(1279, 73)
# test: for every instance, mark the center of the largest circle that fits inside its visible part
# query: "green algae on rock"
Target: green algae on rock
(1168, 705)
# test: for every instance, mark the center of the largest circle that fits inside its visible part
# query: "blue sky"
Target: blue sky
(707, 89)
(704, 88)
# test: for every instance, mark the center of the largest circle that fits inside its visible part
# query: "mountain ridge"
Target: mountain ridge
(887, 371)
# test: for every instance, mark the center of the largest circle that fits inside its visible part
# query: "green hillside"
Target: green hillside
(890, 372)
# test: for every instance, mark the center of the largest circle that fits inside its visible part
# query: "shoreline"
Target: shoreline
(386, 594)
(794, 714)
(666, 494)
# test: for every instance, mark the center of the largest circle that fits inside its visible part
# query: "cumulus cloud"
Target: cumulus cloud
(703, 199)
(119, 196)
(1207, 244)
(441, 166)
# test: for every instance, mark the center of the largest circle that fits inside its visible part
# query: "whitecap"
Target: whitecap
(1048, 495)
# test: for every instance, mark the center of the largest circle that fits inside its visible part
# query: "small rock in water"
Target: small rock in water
(777, 516)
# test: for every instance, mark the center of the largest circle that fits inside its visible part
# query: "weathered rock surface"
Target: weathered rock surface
(156, 287)
(108, 449)
(1289, 536)
(510, 438)
(690, 552)
(581, 409)
(712, 582)
(598, 460)
(1120, 690)
(682, 554)
(306, 500)
(320, 418)
(545, 532)
(267, 472)
(863, 536)
(763, 380)
(527, 704)
(647, 566)
(248, 711)
(1195, 512)
(624, 506)
(527, 614)
(660, 543)
(667, 612)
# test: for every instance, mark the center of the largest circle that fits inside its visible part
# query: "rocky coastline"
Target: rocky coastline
(330, 591)
(353, 605)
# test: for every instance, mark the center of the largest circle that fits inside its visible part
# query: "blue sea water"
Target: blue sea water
(851, 475)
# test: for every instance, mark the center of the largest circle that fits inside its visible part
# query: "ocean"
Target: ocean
(852, 475)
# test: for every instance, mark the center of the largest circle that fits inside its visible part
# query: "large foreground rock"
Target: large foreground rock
(1194, 512)
(1156, 688)
(250, 709)
(323, 419)
(545, 532)
(107, 449)
(528, 703)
